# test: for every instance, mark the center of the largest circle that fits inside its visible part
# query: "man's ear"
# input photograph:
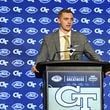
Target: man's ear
(58, 21)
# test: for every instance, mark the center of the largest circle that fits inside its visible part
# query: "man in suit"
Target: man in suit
(53, 46)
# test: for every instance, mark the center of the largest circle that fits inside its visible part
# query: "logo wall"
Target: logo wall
(23, 24)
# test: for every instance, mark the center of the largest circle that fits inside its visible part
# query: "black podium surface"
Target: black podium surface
(42, 65)
(73, 85)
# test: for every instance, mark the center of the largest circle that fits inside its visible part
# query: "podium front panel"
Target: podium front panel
(73, 88)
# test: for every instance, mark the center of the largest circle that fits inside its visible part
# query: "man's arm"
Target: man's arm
(90, 52)
(42, 56)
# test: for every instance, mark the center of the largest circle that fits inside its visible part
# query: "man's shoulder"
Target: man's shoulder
(78, 34)
(51, 35)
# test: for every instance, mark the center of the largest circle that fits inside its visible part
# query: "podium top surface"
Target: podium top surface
(73, 63)
(42, 65)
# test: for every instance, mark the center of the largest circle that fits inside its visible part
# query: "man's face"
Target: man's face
(66, 21)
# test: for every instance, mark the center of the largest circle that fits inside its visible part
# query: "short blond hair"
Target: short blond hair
(64, 11)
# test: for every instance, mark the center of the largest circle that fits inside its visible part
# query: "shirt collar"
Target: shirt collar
(63, 34)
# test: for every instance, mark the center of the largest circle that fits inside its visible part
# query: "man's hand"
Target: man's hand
(34, 69)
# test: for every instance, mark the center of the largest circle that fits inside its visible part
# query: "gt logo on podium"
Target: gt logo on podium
(69, 96)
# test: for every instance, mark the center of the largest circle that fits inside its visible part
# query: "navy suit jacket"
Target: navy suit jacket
(50, 49)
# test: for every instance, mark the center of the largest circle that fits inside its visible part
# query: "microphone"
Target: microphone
(70, 49)
(76, 54)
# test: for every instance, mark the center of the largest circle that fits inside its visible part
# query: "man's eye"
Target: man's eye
(68, 19)
(65, 18)
(71, 19)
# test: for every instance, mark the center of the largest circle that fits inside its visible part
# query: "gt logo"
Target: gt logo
(69, 96)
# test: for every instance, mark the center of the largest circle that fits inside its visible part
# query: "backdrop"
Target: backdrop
(23, 25)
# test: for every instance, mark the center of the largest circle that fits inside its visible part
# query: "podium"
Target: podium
(73, 85)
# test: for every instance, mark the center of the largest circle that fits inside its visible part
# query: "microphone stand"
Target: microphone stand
(70, 50)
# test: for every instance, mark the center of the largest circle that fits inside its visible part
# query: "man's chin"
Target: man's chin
(67, 30)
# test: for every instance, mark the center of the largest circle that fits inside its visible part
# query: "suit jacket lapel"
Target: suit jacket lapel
(72, 38)
(57, 43)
